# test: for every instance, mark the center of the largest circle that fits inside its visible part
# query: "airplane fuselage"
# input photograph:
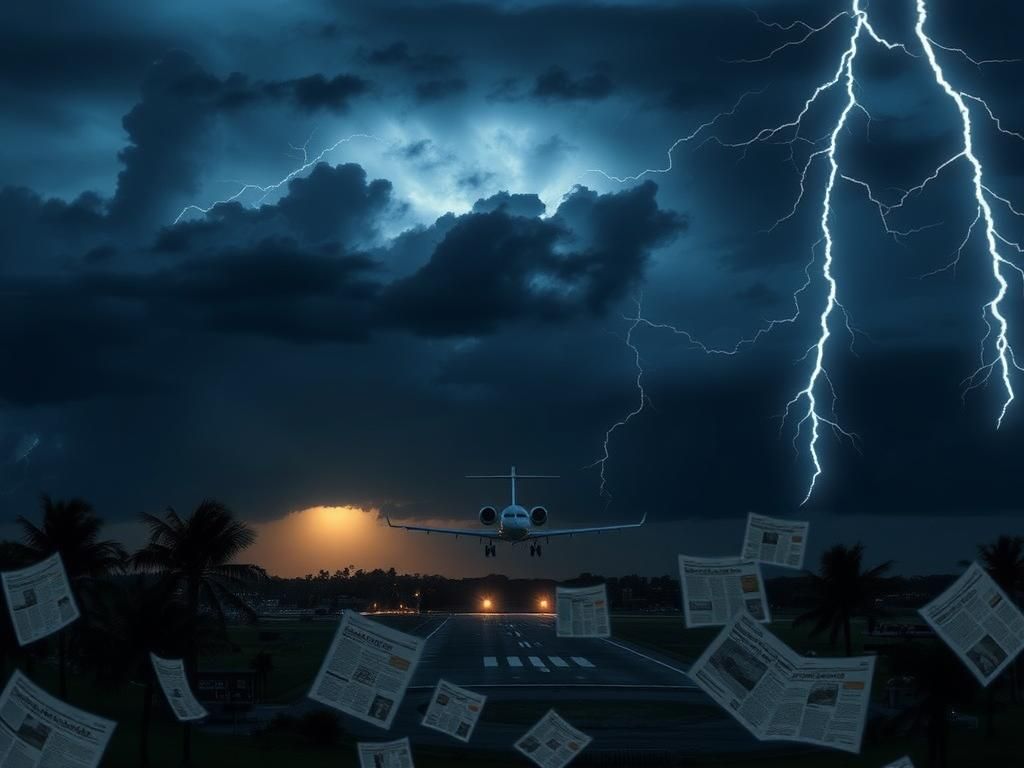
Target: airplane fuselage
(514, 523)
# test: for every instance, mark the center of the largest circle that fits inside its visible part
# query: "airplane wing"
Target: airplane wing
(480, 533)
(540, 533)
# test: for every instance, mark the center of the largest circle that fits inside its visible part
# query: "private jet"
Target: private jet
(515, 524)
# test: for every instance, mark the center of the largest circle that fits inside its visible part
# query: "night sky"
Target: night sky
(450, 289)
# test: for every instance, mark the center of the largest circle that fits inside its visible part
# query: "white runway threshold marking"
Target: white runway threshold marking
(539, 663)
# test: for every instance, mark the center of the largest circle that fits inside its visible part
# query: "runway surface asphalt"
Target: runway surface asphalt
(518, 658)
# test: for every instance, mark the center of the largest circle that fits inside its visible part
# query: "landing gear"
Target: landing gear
(535, 550)
(490, 550)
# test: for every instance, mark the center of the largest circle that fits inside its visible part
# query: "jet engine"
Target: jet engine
(488, 515)
(538, 515)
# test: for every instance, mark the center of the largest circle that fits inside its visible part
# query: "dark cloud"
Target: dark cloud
(318, 92)
(436, 90)
(556, 83)
(398, 54)
(332, 203)
(495, 266)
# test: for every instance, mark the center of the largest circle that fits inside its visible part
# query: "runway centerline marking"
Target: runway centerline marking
(514, 661)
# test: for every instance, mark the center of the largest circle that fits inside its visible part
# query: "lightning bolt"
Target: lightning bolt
(266, 189)
(813, 406)
(1004, 357)
(642, 400)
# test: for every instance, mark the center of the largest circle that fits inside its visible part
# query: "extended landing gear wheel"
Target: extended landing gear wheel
(538, 550)
(533, 550)
(490, 550)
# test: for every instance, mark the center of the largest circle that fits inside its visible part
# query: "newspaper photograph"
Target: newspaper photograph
(170, 673)
(37, 729)
(367, 669)
(979, 622)
(385, 754)
(39, 599)
(717, 588)
(775, 541)
(903, 762)
(776, 694)
(454, 710)
(552, 742)
(582, 612)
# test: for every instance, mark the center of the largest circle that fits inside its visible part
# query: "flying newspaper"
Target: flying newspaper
(39, 599)
(717, 588)
(979, 622)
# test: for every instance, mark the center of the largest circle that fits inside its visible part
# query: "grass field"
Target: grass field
(298, 648)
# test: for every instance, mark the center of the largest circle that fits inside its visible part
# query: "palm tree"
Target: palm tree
(941, 683)
(1003, 560)
(194, 558)
(844, 591)
(12, 557)
(137, 619)
(72, 530)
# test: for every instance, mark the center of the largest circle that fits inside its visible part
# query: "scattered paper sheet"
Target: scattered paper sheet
(717, 588)
(367, 669)
(582, 612)
(903, 762)
(170, 673)
(39, 599)
(775, 541)
(36, 728)
(552, 742)
(776, 694)
(454, 710)
(979, 622)
(385, 754)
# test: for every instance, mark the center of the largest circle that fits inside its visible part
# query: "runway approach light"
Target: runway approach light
(487, 603)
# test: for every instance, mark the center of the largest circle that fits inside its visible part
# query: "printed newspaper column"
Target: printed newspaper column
(36, 728)
(979, 622)
(717, 588)
(552, 742)
(454, 710)
(385, 754)
(775, 541)
(367, 669)
(903, 762)
(170, 673)
(776, 694)
(582, 612)
(39, 599)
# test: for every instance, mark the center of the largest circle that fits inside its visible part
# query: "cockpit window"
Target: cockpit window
(520, 514)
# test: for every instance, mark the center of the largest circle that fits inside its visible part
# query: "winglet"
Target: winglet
(387, 516)
(642, 520)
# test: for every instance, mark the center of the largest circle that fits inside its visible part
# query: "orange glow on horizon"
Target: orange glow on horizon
(334, 537)
(487, 603)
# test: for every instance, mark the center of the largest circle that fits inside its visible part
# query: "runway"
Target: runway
(632, 701)
(522, 650)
